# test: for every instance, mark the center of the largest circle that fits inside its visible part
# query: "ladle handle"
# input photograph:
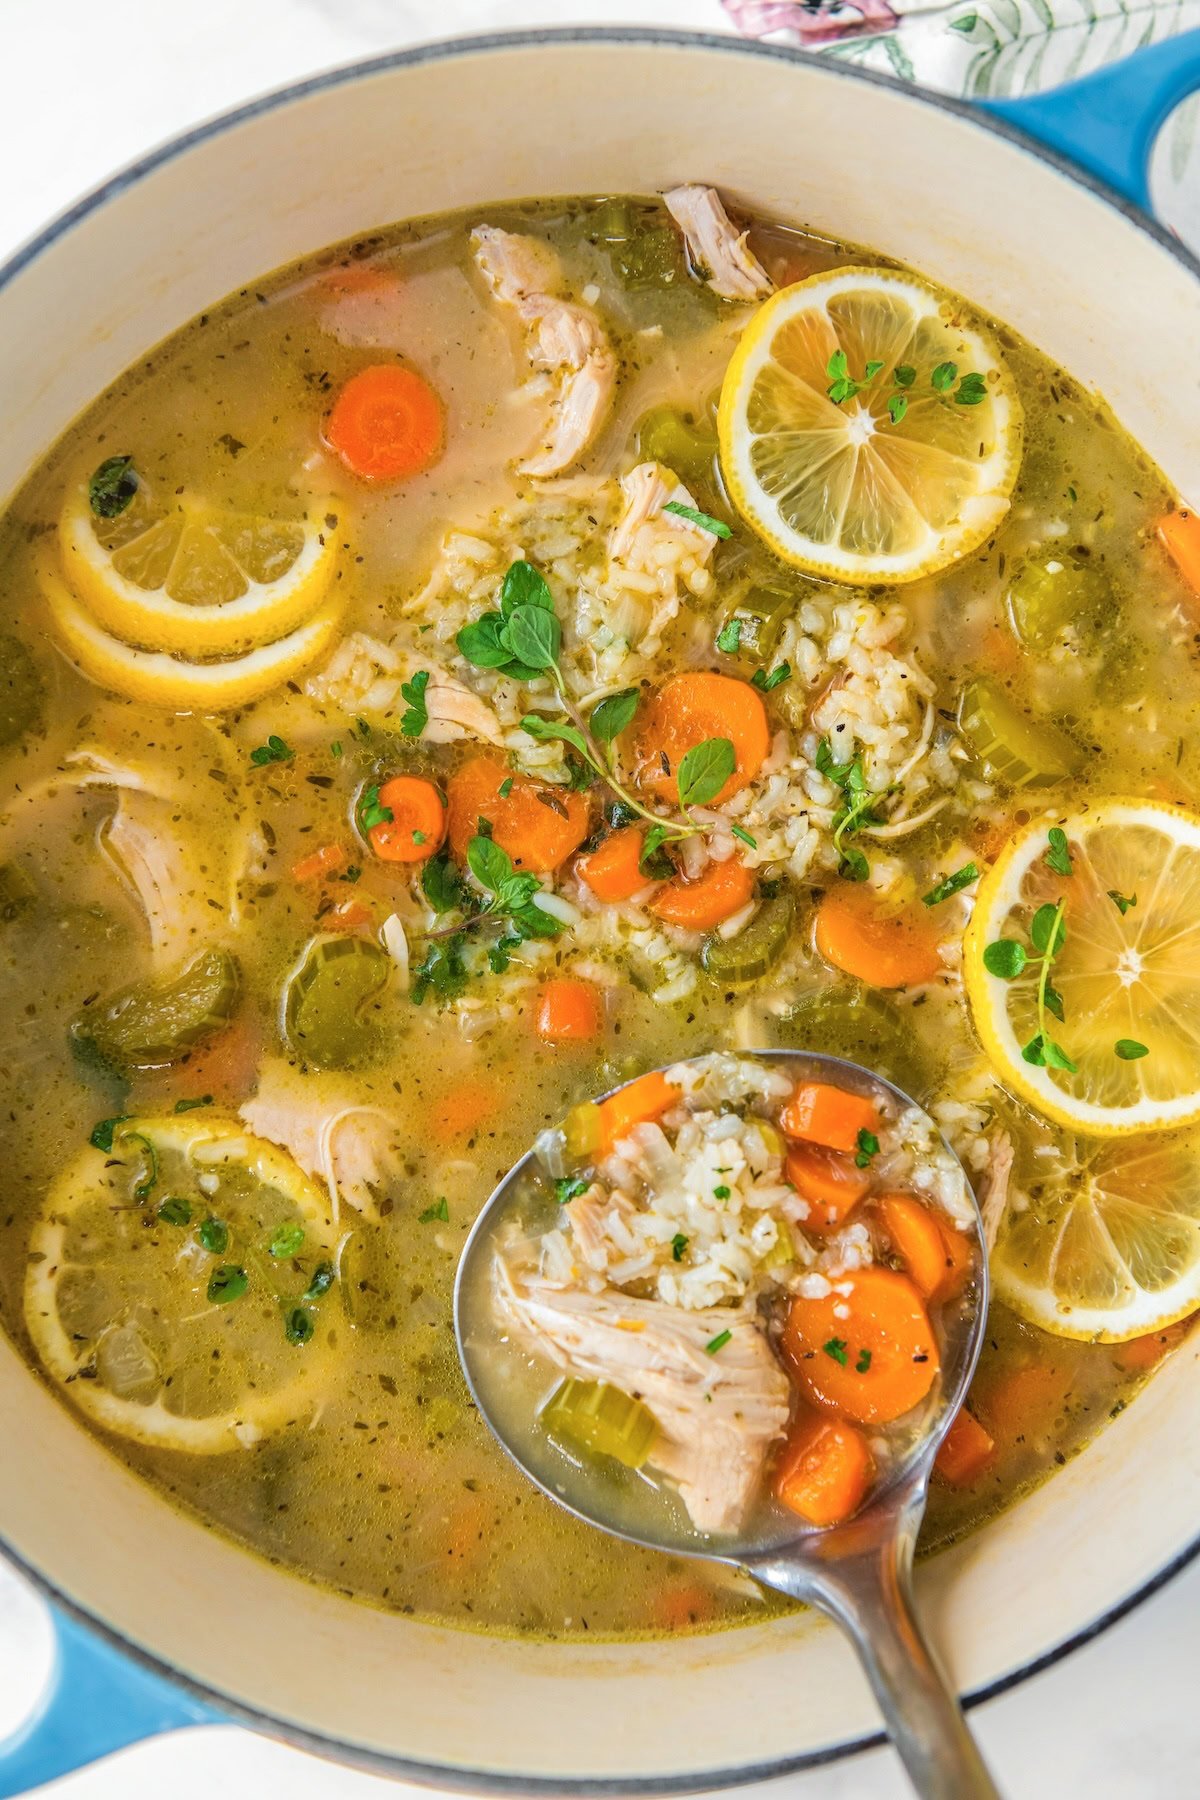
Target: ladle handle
(870, 1596)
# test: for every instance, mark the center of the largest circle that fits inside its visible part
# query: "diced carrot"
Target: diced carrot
(1138, 1355)
(1179, 535)
(330, 859)
(965, 1451)
(637, 1102)
(688, 710)
(871, 1365)
(417, 827)
(820, 1113)
(999, 653)
(612, 870)
(936, 1256)
(828, 1180)
(885, 946)
(462, 1106)
(824, 1470)
(678, 1607)
(538, 825)
(703, 904)
(1022, 1404)
(386, 423)
(568, 1011)
(225, 1067)
(360, 278)
(347, 915)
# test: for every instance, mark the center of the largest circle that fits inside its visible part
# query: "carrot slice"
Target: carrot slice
(417, 827)
(937, 1257)
(702, 905)
(887, 947)
(822, 1114)
(463, 1105)
(829, 1182)
(965, 1451)
(1179, 535)
(568, 1011)
(1022, 1406)
(871, 1365)
(349, 915)
(539, 826)
(686, 711)
(612, 870)
(646, 1098)
(1139, 1354)
(386, 423)
(824, 1470)
(678, 1607)
(330, 859)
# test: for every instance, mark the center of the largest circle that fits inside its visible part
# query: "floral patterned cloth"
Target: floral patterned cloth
(990, 48)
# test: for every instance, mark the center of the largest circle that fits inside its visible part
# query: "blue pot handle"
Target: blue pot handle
(1107, 123)
(97, 1700)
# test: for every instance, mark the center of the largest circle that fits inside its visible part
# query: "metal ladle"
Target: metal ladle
(860, 1572)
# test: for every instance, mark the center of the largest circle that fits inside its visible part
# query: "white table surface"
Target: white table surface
(87, 87)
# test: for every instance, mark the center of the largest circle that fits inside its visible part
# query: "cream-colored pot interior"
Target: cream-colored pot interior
(821, 148)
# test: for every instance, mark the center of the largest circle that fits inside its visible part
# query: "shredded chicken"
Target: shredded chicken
(717, 1414)
(364, 676)
(993, 1197)
(565, 343)
(354, 1149)
(161, 868)
(714, 246)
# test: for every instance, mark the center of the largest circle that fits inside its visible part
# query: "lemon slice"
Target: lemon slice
(169, 1282)
(848, 490)
(183, 577)
(178, 682)
(1108, 1246)
(1128, 972)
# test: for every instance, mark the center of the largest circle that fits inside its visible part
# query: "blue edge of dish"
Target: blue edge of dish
(98, 1699)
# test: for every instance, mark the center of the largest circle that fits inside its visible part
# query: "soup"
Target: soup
(412, 724)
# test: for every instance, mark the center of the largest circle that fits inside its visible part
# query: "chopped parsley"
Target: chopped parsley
(227, 1283)
(370, 812)
(863, 1363)
(439, 1212)
(273, 751)
(857, 809)
(868, 1149)
(951, 884)
(1122, 902)
(569, 1188)
(101, 1137)
(286, 1241)
(717, 1343)
(764, 682)
(703, 519)
(175, 1210)
(213, 1235)
(505, 788)
(1058, 852)
(836, 1347)
(335, 749)
(185, 1106)
(729, 638)
(1129, 1050)
(722, 1192)
(416, 716)
(678, 1245)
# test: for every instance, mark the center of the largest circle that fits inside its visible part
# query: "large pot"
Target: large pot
(162, 1623)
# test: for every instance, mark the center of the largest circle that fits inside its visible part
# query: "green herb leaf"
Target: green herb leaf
(175, 1210)
(868, 1149)
(298, 1325)
(569, 1188)
(335, 749)
(678, 1245)
(1122, 902)
(505, 788)
(523, 585)
(951, 884)
(1052, 1000)
(863, 1363)
(101, 1137)
(227, 1283)
(1005, 958)
(717, 1343)
(534, 636)
(729, 637)
(704, 770)
(897, 407)
(836, 1347)
(740, 832)
(273, 751)
(1043, 1052)
(322, 1280)
(614, 714)
(1048, 930)
(370, 812)
(441, 972)
(112, 486)
(414, 720)
(1058, 854)
(653, 860)
(904, 375)
(853, 865)
(213, 1235)
(481, 642)
(838, 366)
(286, 1241)
(1129, 1050)
(488, 863)
(971, 390)
(871, 371)
(186, 1106)
(722, 1192)
(703, 519)
(944, 376)
(441, 883)
(764, 683)
(438, 1213)
(556, 730)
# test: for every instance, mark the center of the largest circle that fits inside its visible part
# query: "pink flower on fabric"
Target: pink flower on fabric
(811, 21)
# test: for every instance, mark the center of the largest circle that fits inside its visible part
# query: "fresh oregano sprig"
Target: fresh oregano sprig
(1008, 958)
